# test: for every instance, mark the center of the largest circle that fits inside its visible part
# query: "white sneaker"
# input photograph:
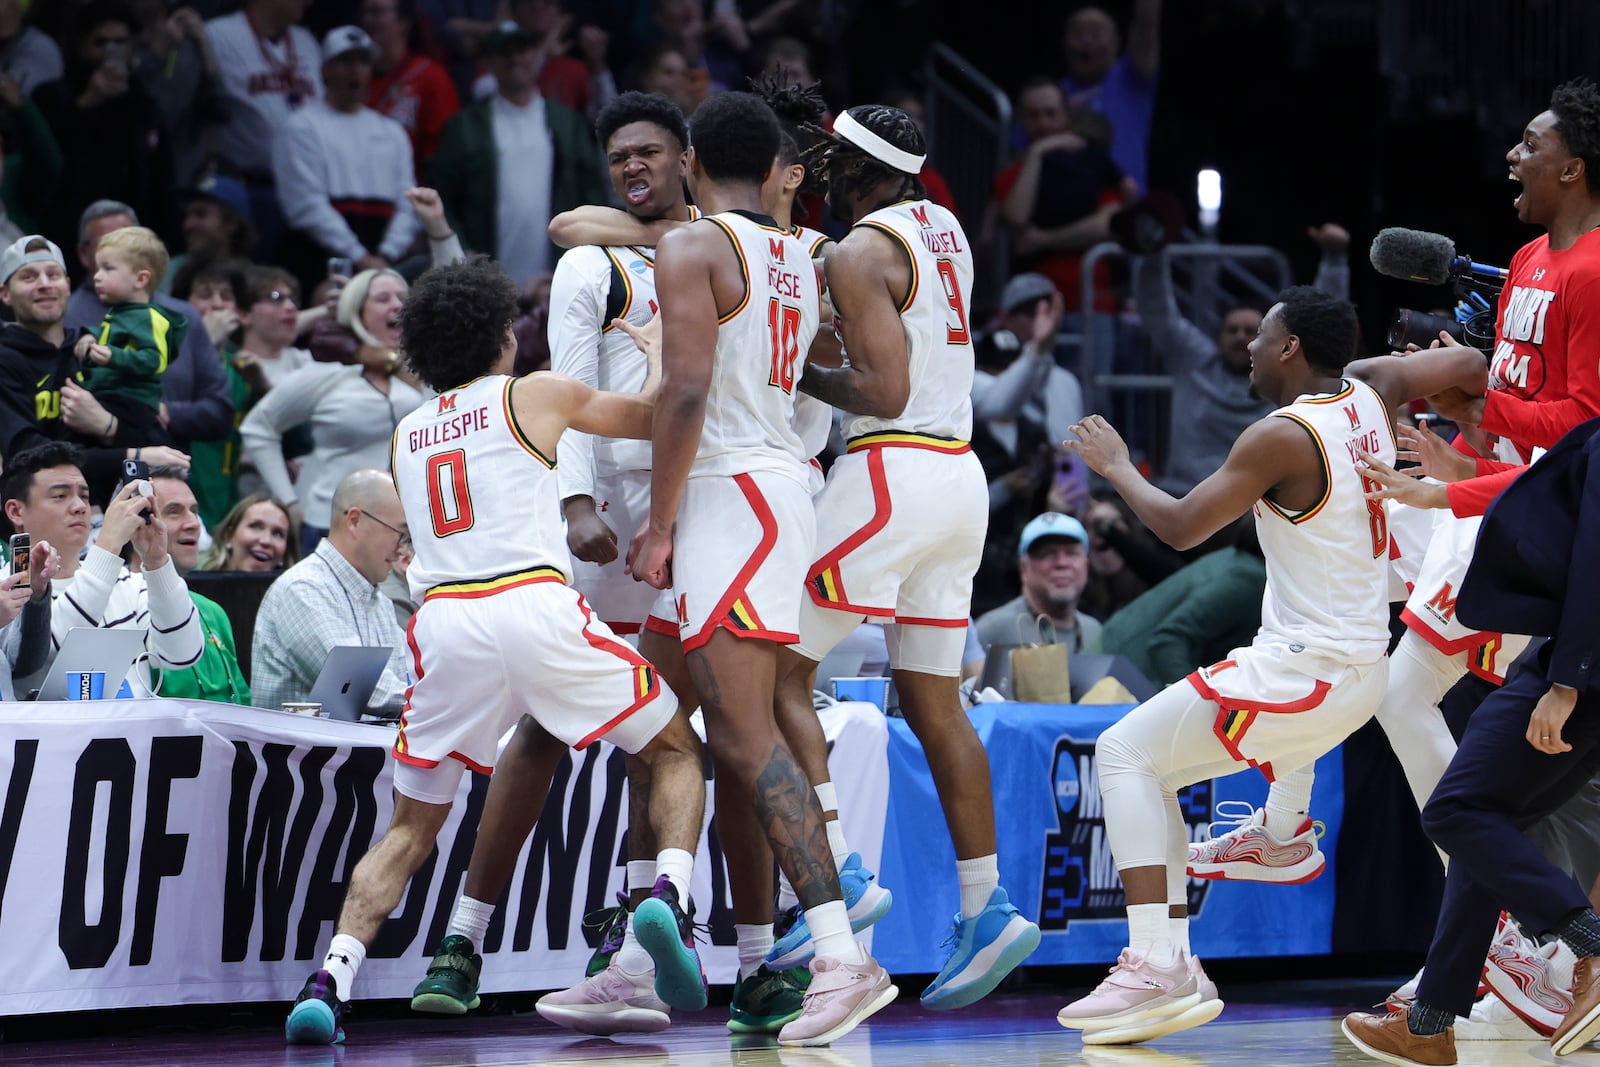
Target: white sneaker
(1249, 852)
(1491, 1020)
(610, 1002)
(1521, 974)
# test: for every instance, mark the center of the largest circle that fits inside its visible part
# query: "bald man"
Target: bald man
(331, 598)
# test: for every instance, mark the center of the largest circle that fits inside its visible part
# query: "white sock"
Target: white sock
(641, 875)
(1289, 803)
(1150, 931)
(471, 920)
(754, 944)
(786, 894)
(836, 843)
(677, 866)
(631, 957)
(1178, 932)
(979, 878)
(830, 932)
(345, 957)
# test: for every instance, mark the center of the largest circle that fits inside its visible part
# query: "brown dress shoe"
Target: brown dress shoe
(1386, 1037)
(1582, 1023)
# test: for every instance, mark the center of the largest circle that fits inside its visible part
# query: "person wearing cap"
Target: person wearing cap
(216, 223)
(509, 164)
(342, 169)
(1053, 565)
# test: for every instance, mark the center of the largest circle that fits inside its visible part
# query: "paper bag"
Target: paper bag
(1039, 674)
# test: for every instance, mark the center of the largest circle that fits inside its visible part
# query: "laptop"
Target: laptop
(91, 649)
(347, 679)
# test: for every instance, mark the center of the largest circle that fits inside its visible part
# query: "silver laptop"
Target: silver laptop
(347, 679)
(91, 649)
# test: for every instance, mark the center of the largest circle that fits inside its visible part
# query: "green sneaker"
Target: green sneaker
(451, 987)
(613, 926)
(768, 999)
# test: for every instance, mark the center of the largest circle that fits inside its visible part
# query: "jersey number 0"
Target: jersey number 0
(449, 503)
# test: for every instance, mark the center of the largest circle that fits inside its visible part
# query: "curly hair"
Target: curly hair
(1576, 106)
(1326, 325)
(849, 170)
(454, 325)
(634, 106)
(735, 137)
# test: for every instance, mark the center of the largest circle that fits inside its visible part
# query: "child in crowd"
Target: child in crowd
(124, 360)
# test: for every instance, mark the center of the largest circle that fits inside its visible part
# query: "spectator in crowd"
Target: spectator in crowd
(216, 222)
(1054, 566)
(260, 355)
(256, 535)
(32, 163)
(662, 69)
(271, 68)
(342, 169)
(28, 57)
(109, 129)
(411, 89)
(37, 364)
(173, 60)
(213, 287)
(126, 356)
(216, 675)
(352, 409)
(331, 598)
(461, 27)
(1197, 616)
(45, 495)
(582, 83)
(1125, 558)
(911, 103)
(195, 405)
(1023, 403)
(1120, 85)
(1213, 401)
(681, 25)
(495, 152)
(25, 612)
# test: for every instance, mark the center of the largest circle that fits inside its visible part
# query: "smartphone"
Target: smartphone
(21, 545)
(137, 470)
(343, 266)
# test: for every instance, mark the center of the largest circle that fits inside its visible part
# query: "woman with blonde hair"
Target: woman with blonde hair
(257, 534)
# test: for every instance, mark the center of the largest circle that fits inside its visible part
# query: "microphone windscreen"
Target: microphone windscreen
(1413, 255)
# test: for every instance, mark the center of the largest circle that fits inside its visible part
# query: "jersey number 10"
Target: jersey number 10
(784, 323)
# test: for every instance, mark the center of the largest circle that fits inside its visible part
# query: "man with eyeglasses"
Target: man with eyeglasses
(331, 598)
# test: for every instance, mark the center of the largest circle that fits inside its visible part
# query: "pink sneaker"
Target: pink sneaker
(1152, 1027)
(610, 1002)
(1136, 990)
(1249, 852)
(1520, 974)
(841, 996)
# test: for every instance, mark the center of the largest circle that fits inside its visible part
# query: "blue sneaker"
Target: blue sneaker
(318, 1014)
(989, 946)
(667, 934)
(864, 900)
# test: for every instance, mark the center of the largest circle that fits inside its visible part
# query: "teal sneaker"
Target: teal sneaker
(864, 900)
(613, 926)
(767, 1000)
(988, 947)
(317, 1017)
(667, 934)
(451, 985)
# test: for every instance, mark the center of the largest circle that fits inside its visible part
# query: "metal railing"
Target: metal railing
(969, 140)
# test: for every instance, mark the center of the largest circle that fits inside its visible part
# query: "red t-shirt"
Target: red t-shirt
(1544, 376)
(566, 81)
(1065, 268)
(418, 94)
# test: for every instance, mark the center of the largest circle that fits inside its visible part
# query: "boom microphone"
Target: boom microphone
(1430, 258)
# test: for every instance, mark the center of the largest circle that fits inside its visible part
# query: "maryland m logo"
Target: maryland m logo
(1443, 604)
(775, 244)
(447, 402)
(921, 215)
(1353, 415)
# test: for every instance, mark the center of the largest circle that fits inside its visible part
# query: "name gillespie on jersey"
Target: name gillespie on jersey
(451, 429)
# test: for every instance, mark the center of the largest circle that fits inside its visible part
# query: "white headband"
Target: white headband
(847, 128)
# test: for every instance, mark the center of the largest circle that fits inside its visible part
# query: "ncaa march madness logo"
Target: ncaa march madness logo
(1080, 874)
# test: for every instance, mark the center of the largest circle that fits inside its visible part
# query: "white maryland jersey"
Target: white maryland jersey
(761, 353)
(1328, 567)
(813, 418)
(935, 320)
(481, 501)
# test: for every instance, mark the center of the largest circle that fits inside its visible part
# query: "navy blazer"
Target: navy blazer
(1536, 567)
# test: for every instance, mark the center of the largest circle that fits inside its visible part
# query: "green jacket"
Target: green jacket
(217, 676)
(143, 339)
(467, 168)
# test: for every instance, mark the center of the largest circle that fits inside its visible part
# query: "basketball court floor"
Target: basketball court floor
(1264, 1025)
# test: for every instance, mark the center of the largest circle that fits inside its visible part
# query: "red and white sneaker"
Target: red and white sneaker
(1521, 974)
(1250, 853)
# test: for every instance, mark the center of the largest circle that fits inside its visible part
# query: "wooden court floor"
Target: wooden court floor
(1261, 1026)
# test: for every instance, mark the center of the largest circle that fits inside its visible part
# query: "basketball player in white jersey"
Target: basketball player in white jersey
(500, 633)
(1314, 673)
(600, 295)
(731, 522)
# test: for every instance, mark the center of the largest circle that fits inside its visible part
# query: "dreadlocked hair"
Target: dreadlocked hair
(851, 171)
(1576, 105)
(800, 109)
